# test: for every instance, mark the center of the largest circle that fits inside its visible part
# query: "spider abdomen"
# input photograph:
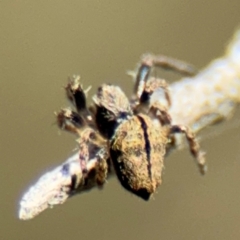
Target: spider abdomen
(137, 149)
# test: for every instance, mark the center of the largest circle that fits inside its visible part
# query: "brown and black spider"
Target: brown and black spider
(132, 135)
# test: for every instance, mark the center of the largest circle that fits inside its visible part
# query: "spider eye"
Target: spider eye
(93, 136)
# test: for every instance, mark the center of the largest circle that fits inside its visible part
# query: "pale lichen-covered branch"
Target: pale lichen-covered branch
(206, 98)
(212, 94)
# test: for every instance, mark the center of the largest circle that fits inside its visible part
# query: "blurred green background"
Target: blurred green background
(44, 42)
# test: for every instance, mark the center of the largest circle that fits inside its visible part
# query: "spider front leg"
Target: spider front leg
(93, 156)
(92, 146)
(155, 99)
(70, 121)
(156, 86)
(78, 97)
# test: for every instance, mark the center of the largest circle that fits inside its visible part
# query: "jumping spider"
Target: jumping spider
(132, 135)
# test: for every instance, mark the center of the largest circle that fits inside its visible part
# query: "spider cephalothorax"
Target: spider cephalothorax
(130, 135)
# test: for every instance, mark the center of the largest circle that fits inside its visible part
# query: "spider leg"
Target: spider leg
(102, 167)
(193, 146)
(173, 64)
(78, 97)
(73, 122)
(70, 120)
(160, 111)
(153, 85)
(154, 90)
(149, 61)
(91, 146)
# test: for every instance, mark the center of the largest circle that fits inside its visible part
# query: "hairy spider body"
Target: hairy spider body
(137, 145)
(130, 135)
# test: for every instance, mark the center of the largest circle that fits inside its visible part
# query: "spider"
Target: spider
(132, 135)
